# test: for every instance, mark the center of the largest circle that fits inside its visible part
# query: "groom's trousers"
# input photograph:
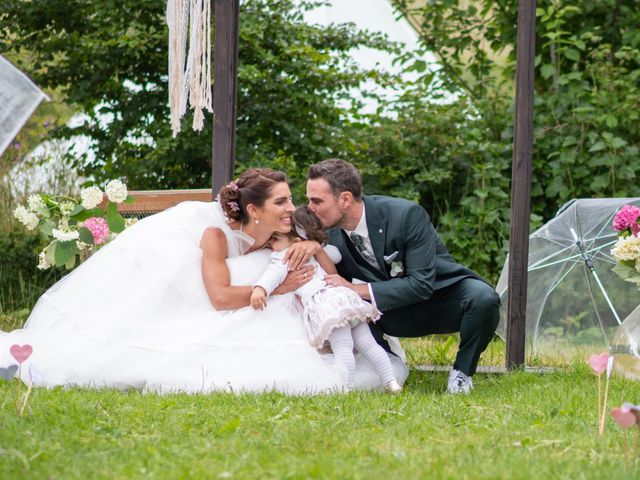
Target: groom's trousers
(469, 306)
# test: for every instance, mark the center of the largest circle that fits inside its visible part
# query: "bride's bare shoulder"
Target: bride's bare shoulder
(213, 238)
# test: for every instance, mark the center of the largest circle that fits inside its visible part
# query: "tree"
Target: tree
(109, 57)
(586, 110)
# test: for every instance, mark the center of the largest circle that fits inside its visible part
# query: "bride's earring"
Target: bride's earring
(257, 220)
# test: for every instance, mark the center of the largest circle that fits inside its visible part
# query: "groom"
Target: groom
(393, 257)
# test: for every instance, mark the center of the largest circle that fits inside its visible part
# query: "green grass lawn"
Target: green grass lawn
(519, 425)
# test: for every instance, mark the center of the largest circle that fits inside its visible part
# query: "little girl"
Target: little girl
(336, 314)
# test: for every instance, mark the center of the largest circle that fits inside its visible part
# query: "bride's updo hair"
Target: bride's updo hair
(252, 186)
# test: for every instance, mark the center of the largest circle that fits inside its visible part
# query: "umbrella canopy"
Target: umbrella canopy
(625, 346)
(19, 97)
(569, 308)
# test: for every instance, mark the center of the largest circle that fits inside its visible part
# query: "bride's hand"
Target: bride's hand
(295, 280)
(299, 253)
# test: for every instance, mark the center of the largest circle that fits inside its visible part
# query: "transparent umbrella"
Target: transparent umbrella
(625, 346)
(575, 302)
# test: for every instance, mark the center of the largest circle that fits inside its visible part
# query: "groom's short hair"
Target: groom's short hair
(340, 175)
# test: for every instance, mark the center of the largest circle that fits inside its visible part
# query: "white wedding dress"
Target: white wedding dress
(136, 316)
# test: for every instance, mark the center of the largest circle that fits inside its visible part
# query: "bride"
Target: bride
(165, 306)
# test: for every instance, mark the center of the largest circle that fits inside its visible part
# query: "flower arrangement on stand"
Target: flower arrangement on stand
(627, 249)
(75, 228)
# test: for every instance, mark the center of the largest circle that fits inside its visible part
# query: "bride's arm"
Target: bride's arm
(216, 275)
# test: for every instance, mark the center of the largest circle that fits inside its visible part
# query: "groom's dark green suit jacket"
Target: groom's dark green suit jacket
(398, 225)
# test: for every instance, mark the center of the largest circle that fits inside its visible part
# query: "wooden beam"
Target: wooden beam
(153, 201)
(521, 185)
(225, 81)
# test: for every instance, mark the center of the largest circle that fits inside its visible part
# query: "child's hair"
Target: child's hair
(305, 220)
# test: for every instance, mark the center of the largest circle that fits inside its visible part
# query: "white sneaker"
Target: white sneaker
(459, 382)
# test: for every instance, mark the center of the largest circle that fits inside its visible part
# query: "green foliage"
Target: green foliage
(586, 108)
(451, 161)
(20, 281)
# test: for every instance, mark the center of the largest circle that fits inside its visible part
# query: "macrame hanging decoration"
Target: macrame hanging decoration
(189, 73)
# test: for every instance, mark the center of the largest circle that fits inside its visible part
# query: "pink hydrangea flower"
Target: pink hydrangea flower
(99, 229)
(627, 217)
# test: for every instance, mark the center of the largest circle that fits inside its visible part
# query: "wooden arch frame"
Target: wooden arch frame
(226, 13)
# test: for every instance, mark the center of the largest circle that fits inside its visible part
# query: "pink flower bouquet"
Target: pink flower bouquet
(626, 250)
(627, 220)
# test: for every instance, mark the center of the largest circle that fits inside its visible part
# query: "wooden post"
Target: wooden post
(225, 81)
(521, 185)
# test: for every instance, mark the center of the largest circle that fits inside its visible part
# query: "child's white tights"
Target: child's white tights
(343, 340)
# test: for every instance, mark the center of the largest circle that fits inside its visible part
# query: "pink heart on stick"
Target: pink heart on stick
(624, 418)
(21, 353)
(598, 362)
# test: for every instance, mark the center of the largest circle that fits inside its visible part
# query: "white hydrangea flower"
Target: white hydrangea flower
(43, 263)
(32, 221)
(130, 221)
(66, 208)
(627, 248)
(20, 213)
(65, 236)
(29, 219)
(91, 197)
(81, 245)
(116, 191)
(35, 202)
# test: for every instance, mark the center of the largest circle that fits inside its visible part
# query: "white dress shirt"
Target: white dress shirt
(363, 231)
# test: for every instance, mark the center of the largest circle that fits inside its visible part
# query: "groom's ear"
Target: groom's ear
(345, 199)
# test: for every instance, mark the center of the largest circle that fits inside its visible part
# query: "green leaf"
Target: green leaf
(84, 214)
(547, 70)
(572, 54)
(628, 274)
(610, 121)
(617, 142)
(64, 252)
(49, 253)
(114, 219)
(47, 227)
(71, 263)
(598, 146)
(44, 211)
(76, 210)
(600, 183)
(419, 66)
(85, 235)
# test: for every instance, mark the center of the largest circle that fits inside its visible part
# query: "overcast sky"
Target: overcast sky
(374, 15)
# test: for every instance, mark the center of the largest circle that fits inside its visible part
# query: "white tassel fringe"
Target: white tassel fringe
(193, 82)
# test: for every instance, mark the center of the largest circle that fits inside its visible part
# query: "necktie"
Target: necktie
(358, 241)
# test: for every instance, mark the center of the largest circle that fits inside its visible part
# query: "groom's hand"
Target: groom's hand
(335, 280)
(299, 253)
(295, 280)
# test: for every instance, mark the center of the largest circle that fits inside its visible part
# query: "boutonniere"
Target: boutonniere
(397, 269)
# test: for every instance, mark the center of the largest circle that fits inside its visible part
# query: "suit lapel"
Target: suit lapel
(377, 226)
